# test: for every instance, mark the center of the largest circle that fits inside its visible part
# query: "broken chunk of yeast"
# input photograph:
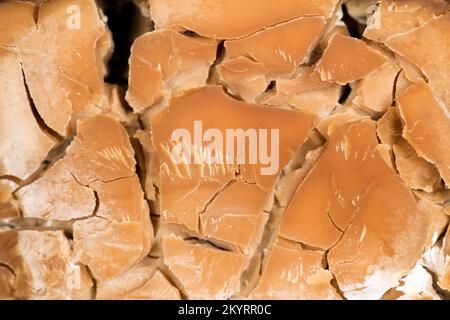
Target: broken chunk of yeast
(243, 77)
(23, 144)
(347, 59)
(411, 72)
(390, 127)
(354, 204)
(428, 48)
(165, 63)
(233, 19)
(208, 162)
(200, 269)
(304, 91)
(38, 264)
(426, 126)
(109, 248)
(16, 22)
(62, 63)
(280, 48)
(375, 92)
(395, 17)
(293, 273)
(414, 170)
(96, 181)
(144, 281)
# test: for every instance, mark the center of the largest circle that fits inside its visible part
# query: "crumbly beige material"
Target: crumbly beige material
(336, 184)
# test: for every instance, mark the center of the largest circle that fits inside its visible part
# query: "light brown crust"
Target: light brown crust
(337, 66)
(40, 265)
(179, 64)
(96, 186)
(234, 18)
(417, 107)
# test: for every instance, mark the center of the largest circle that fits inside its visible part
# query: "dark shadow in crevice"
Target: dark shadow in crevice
(354, 27)
(220, 54)
(122, 16)
(346, 91)
(41, 123)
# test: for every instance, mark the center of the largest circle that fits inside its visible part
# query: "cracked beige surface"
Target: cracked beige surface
(116, 180)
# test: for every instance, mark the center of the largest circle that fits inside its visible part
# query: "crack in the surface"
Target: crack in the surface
(97, 199)
(13, 272)
(39, 120)
(333, 281)
(442, 293)
(333, 222)
(220, 55)
(303, 245)
(174, 281)
(52, 157)
(270, 233)
(394, 88)
(205, 241)
(94, 282)
(8, 267)
(216, 194)
(354, 27)
(11, 178)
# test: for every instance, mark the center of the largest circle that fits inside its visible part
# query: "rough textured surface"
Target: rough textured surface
(209, 149)
(233, 18)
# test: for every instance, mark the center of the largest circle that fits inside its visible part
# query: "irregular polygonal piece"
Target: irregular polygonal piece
(334, 26)
(304, 91)
(233, 19)
(23, 145)
(110, 248)
(416, 171)
(203, 272)
(165, 63)
(142, 282)
(375, 93)
(394, 17)
(419, 46)
(151, 165)
(287, 186)
(16, 22)
(294, 273)
(411, 72)
(96, 178)
(280, 48)
(65, 84)
(234, 149)
(40, 265)
(404, 83)
(243, 77)
(437, 213)
(390, 127)
(427, 126)
(354, 204)
(348, 59)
